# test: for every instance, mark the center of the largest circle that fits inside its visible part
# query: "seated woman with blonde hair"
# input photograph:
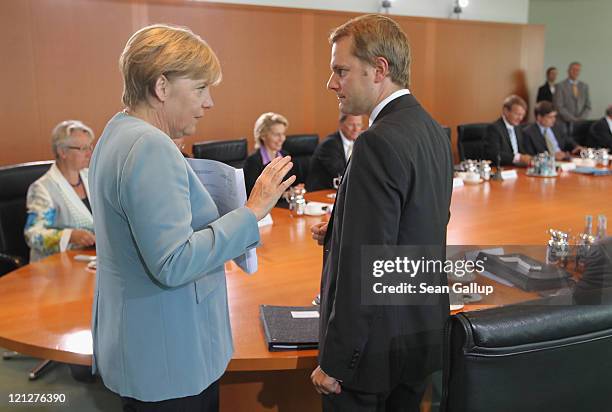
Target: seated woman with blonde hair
(59, 213)
(269, 133)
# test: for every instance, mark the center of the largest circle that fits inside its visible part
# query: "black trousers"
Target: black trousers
(206, 401)
(402, 398)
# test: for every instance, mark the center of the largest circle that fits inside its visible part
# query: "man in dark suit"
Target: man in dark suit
(601, 130)
(503, 138)
(546, 136)
(331, 155)
(546, 91)
(396, 191)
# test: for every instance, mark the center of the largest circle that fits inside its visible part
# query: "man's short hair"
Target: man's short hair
(543, 108)
(572, 64)
(609, 111)
(550, 69)
(512, 100)
(378, 36)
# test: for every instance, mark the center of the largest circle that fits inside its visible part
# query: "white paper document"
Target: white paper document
(304, 314)
(225, 185)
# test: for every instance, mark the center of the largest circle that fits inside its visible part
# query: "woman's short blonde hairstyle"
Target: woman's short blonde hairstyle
(263, 125)
(63, 131)
(166, 50)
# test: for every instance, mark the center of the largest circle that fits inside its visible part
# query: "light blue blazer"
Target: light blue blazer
(160, 322)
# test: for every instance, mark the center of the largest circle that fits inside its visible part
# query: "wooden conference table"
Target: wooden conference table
(46, 306)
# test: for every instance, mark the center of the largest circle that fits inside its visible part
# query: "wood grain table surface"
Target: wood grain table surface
(46, 306)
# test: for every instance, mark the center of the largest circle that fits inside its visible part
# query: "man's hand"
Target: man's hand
(524, 160)
(318, 232)
(323, 383)
(577, 149)
(562, 156)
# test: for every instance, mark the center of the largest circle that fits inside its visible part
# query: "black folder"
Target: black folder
(284, 332)
(531, 275)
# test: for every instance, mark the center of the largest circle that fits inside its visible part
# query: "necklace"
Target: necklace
(78, 183)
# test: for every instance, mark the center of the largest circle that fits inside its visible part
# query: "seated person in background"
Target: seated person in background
(269, 133)
(601, 130)
(546, 91)
(59, 213)
(331, 156)
(503, 137)
(544, 135)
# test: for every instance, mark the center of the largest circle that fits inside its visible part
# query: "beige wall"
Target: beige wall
(60, 62)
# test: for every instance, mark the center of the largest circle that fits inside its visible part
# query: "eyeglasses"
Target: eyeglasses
(86, 148)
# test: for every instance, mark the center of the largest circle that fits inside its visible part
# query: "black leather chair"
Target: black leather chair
(15, 181)
(547, 355)
(301, 147)
(230, 152)
(14, 252)
(580, 131)
(470, 140)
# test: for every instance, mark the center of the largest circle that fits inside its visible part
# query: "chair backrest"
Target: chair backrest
(231, 152)
(580, 131)
(447, 130)
(301, 147)
(15, 181)
(470, 140)
(543, 356)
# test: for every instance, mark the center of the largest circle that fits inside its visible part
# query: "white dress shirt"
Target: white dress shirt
(513, 141)
(383, 103)
(347, 145)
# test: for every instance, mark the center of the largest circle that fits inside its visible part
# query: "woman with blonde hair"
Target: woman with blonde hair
(160, 327)
(269, 133)
(59, 212)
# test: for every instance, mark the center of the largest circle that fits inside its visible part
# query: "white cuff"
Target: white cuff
(64, 241)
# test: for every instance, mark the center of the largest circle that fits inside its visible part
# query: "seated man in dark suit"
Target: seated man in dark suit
(546, 136)
(503, 138)
(330, 158)
(601, 130)
(546, 91)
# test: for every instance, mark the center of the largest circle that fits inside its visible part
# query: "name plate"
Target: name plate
(566, 166)
(509, 174)
(457, 182)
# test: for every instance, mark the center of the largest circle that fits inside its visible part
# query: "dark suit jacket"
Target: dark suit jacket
(544, 93)
(396, 190)
(497, 140)
(595, 284)
(326, 163)
(534, 141)
(601, 133)
(253, 166)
